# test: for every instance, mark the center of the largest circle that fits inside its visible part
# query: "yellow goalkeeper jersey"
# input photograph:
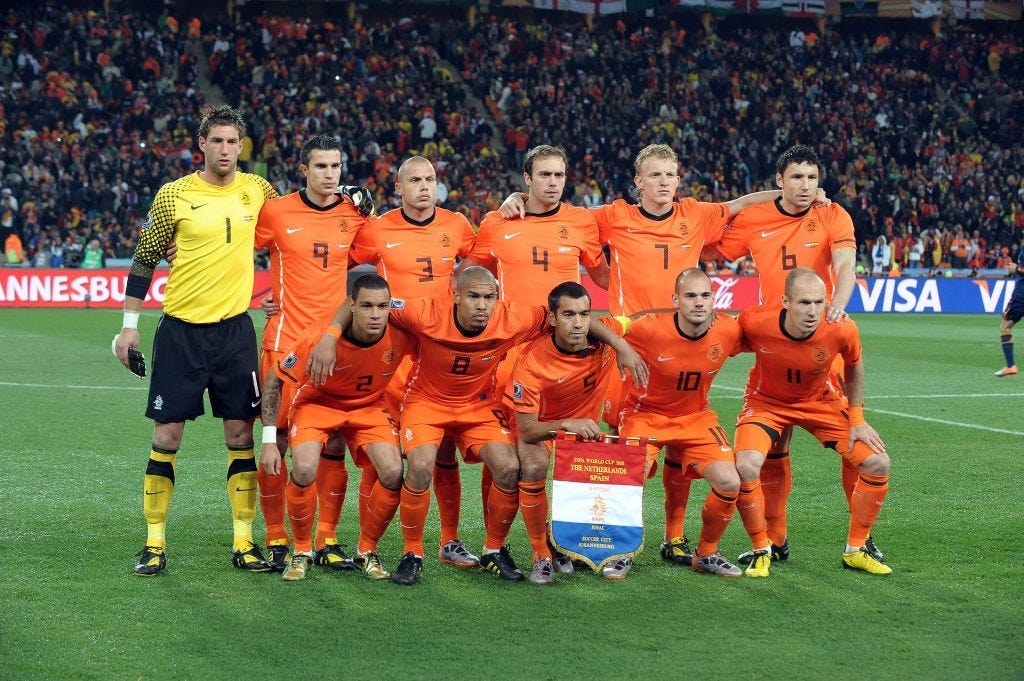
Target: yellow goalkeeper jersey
(214, 228)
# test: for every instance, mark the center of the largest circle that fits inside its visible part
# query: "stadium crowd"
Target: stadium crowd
(920, 131)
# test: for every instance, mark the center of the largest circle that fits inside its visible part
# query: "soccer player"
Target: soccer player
(205, 339)
(532, 255)
(780, 236)
(416, 249)
(558, 383)
(790, 385)
(309, 233)
(685, 350)
(1012, 314)
(453, 390)
(649, 243)
(351, 401)
(545, 248)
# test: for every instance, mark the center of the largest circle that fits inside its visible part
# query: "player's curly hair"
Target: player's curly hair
(800, 153)
(221, 115)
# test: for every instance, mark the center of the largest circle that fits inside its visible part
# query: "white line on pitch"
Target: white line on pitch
(975, 426)
(75, 387)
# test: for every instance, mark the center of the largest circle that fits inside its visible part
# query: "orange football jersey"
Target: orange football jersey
(780, 242)
(787, 370)
(534, 254)
(455, 367)
(555, 384)
(647, 252)
(681, 368)
(309, 248)
(417, 258)
(361, 372)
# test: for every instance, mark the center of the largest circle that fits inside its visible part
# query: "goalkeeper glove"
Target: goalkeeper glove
(360, 197)
(136, 360)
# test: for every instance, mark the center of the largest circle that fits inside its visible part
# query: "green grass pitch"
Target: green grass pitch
(74, 444)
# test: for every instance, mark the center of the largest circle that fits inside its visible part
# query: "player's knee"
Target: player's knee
(304, 475)
(724, 479)
(876, 464)
(748, 464)
(390, 474)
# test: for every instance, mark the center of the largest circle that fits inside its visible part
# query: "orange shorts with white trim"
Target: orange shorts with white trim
(361, 426)
(828, 421)
(471, 426)
(698, 438)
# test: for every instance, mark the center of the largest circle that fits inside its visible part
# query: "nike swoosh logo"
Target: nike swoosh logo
(767, 351)
(765, 235)
(633, 231)
(245, 489)
(256, 403)
(392, 245)
(149, 494)
(292, 230)
(563, 379)
(197, 207)
(513, 235)
(665, 359)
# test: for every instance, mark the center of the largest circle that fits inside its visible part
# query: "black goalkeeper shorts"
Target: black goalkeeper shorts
(189, 359)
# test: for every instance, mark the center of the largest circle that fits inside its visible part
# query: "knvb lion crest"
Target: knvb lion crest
(343, 226)
(389, 356)
(563, 232)
(715, 352)
(820, 355)
(811, 226)
(445, 240)
(684, 228)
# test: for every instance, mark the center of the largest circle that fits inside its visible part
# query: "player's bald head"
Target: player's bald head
(418, 164)
(801, 278)
(689, 275)
(475, 275)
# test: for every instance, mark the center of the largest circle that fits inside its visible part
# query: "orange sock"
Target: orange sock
(367, 477)
(486, 482)
(776, 483)
(750, 504)
(413, 513)
(677, 495)
(271, 490)
(866, 503)
(716, 514)
(301, 509)
(533, 504)
(848, 474)
(332, 481)
(380, 509)
(448, 493)
(502, 505)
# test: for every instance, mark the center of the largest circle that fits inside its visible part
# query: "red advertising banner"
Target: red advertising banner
(24, 287)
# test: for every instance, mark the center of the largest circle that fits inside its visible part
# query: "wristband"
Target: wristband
(269, 435)
(333, 331)
(857, 416)
(130, 320)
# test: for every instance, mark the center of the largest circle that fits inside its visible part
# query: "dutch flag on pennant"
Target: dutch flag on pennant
(597, 499)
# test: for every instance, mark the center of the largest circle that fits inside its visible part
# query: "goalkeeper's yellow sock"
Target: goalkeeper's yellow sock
(242, 493)
(157, 488)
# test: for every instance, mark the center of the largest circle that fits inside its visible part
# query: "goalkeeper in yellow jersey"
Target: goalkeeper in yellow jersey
(205, 339)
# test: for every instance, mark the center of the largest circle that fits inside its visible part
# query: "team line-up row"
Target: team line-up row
(516, 293)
